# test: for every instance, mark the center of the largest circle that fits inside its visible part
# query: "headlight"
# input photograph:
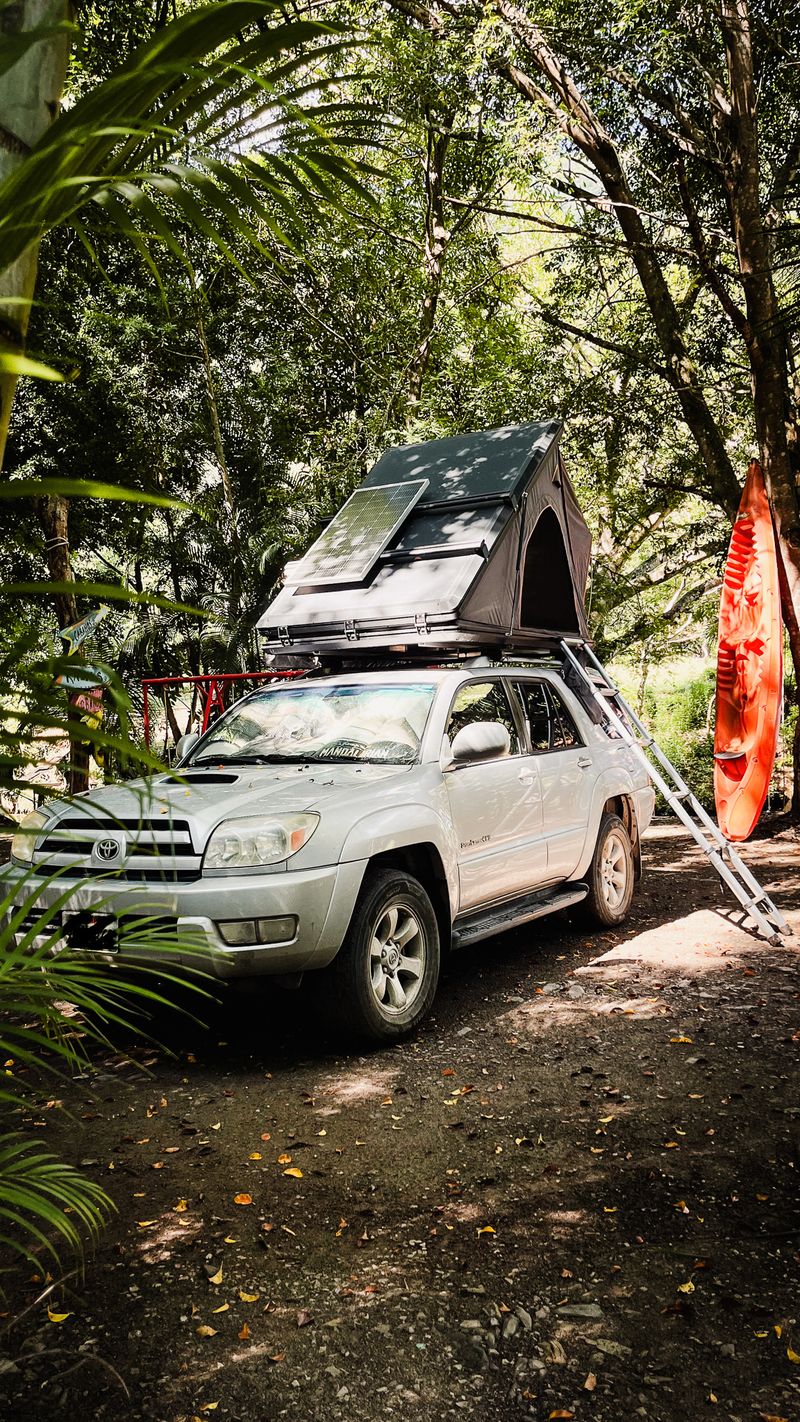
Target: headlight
(24, 841)
(249, 843)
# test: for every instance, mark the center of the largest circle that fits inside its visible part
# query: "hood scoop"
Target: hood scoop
(209, 777)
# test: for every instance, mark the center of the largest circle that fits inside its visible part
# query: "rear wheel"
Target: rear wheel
(611, 874)
(383, 980)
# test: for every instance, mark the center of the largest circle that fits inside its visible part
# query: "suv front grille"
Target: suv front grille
(155, 850)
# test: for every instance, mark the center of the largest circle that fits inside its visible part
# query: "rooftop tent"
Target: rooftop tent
(475, 541)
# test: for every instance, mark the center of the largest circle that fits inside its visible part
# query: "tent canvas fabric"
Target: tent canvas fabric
(493, 556)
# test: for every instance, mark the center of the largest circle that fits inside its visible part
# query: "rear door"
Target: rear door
(565, 773)
(495, 805)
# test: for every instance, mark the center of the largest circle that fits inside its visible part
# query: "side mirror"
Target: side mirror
(483, 740)
(186, 744)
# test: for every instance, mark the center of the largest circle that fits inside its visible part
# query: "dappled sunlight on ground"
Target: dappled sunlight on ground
(699, 942)
(362, 1084)
(536, 1017)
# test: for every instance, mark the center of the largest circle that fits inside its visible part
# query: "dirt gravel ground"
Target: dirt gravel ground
(573, 1194)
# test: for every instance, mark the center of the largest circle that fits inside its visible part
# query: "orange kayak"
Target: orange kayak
(749, 665)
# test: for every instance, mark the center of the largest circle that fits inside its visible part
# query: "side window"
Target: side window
(483, 701)
(537, 713)
(565, 732)
(550, 724)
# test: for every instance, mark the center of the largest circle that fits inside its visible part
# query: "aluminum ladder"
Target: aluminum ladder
(595, 681)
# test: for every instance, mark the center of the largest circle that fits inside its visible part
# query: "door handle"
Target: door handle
(584, 762)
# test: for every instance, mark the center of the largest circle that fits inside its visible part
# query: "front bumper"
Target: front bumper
(322, 900)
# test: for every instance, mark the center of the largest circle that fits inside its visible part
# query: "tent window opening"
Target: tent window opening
(548, 597)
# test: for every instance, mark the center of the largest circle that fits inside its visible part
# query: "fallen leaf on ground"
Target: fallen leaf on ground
(57, 1317)
(244, 1332)
(216, 1278)
(146, 1224)
(181, 1206)
(687, 1288)
(266, 1136)
(284, 1159)
(243, 1199)
(304, 1318)
(561, 1412)
(209, 1407)
(248, 1298)
(792, 1356)
(276, 1357)
(487, 1229)
(223, 1308)
(255, 1155)
(294, 1172)
(591, 1383)
(204, 1330)
(676, 1040)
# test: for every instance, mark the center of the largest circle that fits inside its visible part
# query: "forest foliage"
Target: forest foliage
(466, 284)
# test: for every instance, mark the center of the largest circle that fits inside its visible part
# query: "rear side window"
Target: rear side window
(483, 701)
(565, 732)
(550, 724)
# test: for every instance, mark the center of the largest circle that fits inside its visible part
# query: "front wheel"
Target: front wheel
(611, 875)
(383, 980)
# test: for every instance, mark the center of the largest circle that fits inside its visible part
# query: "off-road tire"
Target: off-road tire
(348, 993)
(611, 876)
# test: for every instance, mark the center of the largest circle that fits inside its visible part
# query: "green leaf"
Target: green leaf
(84, 489)
(14, 364)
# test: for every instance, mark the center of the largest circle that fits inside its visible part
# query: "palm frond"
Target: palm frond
(169, 98)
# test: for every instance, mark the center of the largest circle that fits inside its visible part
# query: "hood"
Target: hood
(203, 798)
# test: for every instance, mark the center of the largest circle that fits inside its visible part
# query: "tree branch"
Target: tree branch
(707, 267)
(617, 347)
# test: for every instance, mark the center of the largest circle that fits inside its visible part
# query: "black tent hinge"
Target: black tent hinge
(421, 622)
(351, 631)
(283, 636)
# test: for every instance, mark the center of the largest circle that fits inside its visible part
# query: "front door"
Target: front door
(495, 805)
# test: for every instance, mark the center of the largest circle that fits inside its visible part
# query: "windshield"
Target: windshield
(336, 721)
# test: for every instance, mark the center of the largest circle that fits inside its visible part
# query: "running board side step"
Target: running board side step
(500, 918)
(603, 699)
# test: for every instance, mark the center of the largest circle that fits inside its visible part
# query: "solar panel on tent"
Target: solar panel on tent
(354, 540)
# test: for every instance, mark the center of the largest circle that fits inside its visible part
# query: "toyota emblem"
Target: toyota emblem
(108, 849)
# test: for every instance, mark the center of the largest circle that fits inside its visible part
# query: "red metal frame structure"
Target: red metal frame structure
(215, 684)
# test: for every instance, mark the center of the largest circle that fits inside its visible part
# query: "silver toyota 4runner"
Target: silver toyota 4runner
(352, 827)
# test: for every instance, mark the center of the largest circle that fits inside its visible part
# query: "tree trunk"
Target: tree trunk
(436, 240)
(52, 512)
(775, 419)
(30, 95)
(235, 589)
